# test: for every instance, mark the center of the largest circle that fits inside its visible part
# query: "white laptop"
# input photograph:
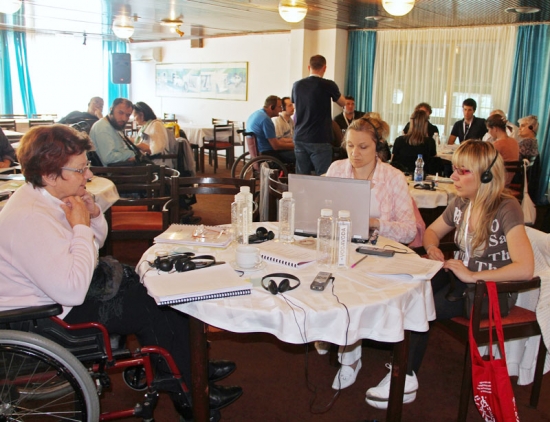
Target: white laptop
(313, 193)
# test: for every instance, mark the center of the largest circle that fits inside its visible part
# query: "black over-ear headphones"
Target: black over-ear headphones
(530, 127)
(283, 286)
(183, 262)
(261, 235)
(487, 176)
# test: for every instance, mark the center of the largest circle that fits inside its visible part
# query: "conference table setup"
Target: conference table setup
(385, 298)
(103, 190)
(197, 132)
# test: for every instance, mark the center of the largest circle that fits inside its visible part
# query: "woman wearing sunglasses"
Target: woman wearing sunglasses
(491, 240)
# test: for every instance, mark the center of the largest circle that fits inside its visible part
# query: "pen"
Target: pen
(358, 262)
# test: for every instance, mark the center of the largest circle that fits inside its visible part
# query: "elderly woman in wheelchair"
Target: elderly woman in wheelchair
(51, 232)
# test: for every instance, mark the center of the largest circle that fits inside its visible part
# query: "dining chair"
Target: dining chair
(520, 323)
(276, 186)
(206, 186)
(223, 140)
(13, 116)
(40, 122)
(240, 129)
(514, 178)
(7, 124)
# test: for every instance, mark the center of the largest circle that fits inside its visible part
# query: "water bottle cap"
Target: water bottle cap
(287, 195)
(326, 212)
(343, 214)
(419, 156)
(245, 189)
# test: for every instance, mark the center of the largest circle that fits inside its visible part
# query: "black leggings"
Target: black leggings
(152, 325)
(444, 309)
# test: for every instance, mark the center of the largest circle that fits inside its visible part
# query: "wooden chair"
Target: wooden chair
(205, 186)
(240, 129)
(13, 116)
(514, 178)
(138, 218)
(277, 185)
(519, 323)
(7, 124)
(223, 140)
(40, 122)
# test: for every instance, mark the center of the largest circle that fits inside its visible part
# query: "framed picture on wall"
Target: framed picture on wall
(217, 81)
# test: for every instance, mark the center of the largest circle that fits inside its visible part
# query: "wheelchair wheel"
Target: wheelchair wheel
(239, 164)
(251, 168)
(42, 381)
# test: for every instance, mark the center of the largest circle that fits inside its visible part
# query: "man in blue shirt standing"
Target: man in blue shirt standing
(313, 97)
(261, 124)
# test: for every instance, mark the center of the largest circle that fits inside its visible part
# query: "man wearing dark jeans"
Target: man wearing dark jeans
(312, 97)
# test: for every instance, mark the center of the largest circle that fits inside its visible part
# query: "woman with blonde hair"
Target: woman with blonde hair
(528, 145)
(491, 240)
(407, 147)
(392, 211)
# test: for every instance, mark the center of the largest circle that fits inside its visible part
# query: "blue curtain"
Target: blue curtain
(25, 86)
(113, 90)
(360, 68)
(531, 91)
(6, 102)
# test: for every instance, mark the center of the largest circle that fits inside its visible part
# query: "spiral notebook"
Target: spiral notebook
(214, 282)
(286, 254)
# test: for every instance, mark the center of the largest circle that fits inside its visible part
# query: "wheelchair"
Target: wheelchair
(247, 165)
(53, 371)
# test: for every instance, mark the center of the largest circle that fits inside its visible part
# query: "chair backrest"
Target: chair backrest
(13, 116)
(514, 177)
(132, 179)
(251, 144)
(239, 128)
(45, 116)
(216, 121)
(276, 185)
(206, 186)
(40, 122)
(7, 124)
(224, 133)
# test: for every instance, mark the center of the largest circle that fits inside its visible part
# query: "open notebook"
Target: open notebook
(214, 282)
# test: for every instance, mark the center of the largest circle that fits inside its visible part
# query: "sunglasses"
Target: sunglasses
(461, 172)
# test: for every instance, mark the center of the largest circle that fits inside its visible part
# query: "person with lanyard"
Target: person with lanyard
(111, 144)
(348, 115)
(152, 137)
(492, 245)
(471, 127)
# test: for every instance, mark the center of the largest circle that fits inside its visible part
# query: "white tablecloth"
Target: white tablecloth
(196, 133)
(380, 308)
(443, 194)
(104, 190)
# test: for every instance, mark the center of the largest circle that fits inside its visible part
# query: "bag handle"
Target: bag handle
(494, 312)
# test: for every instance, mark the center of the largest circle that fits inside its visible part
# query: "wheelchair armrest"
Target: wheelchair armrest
(31, 313)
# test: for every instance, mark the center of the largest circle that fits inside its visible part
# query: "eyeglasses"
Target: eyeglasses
(80, 171)
(461, 172)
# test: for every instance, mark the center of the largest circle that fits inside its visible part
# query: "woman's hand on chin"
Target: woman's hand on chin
(89, 200)
(76, 211)
(460, 270)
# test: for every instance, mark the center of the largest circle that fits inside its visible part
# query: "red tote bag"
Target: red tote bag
(493, 394)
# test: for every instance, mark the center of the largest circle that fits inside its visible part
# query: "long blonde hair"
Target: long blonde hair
(477, 157)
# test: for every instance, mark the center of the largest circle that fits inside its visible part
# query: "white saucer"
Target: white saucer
(256, 267)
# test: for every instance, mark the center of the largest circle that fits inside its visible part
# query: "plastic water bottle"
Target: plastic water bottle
(286, 218)
(247, 196)
(343, 239)
(325, 237)
(419, 169)
(239, 219)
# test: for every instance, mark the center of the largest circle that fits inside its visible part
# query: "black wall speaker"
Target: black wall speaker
(121, 68)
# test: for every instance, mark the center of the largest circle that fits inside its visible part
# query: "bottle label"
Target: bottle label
(343, 248)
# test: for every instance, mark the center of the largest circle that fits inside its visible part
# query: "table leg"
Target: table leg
(398, 373)
(199, 370)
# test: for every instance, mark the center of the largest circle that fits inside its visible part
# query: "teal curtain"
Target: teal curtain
(25, 85)
(531, 91)
(360, 68)
(113, 90)
(6, 102)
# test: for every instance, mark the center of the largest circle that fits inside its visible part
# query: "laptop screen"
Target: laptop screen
(313, 193)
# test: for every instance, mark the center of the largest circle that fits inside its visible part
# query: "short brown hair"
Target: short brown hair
(45, 149)
(317, 62)
(271, 101)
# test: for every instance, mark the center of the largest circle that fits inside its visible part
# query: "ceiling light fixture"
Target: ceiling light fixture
(522, 10)
(398, 7)
(9, 7)
(174, 23)
(293, 11)
(122, 26)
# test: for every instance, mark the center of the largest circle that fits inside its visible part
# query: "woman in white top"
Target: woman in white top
(152, 137)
